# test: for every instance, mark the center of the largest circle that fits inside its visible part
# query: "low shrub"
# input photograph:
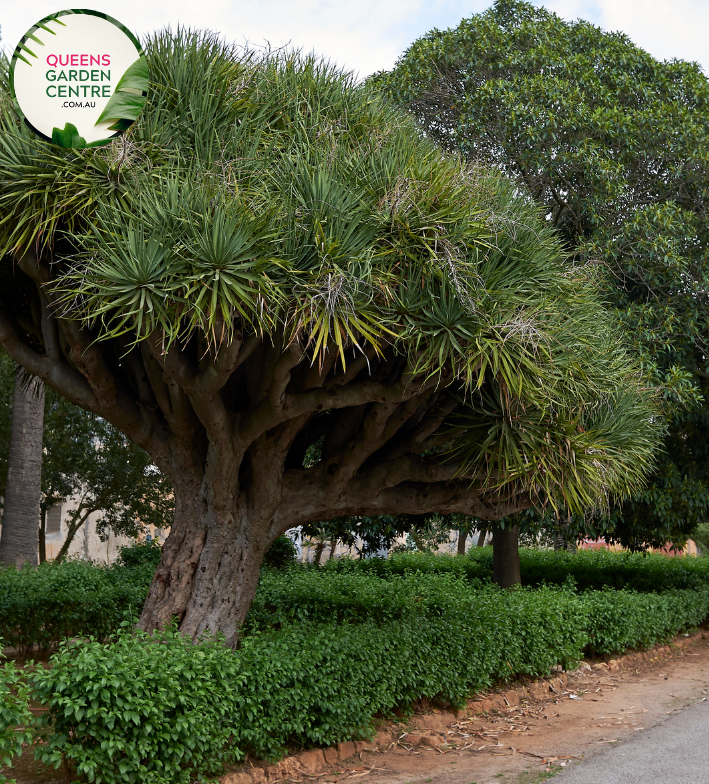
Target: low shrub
(301, 595)
(140, 709)
(598, 569)
(141, 553)
(161, 710)
(471, 568)
(356, 595)
(41, 606)
(618, 620)
(281, 553)
(15, 717)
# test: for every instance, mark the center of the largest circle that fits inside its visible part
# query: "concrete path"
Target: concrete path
(674, 752)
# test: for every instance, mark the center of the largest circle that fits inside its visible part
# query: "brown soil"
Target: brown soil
(520, 744)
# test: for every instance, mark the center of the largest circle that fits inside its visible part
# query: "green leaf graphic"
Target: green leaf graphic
(44, 27)
(136, 76)
(25, 48)
(124, 104)
(34, 38)
(120, 125)
(69, 137)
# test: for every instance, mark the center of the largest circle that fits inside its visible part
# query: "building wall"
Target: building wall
(87, 543)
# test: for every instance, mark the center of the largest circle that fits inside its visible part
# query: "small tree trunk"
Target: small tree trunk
(20, 524)
(333, 544)
(210, 565)
(505, 556)
(481, 538)
(42, 534)
(462, 539)
(75, 522)
(562, 542)
(85, 546)
(319, 548)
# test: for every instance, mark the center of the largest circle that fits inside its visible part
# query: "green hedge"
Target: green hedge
(162, 710)
(353, 596)
(298, 595)
(598, 569)
(41, 606)
(589, 569)
(618, 620)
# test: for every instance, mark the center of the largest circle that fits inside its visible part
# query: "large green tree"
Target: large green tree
(614, 146)
(270, 259)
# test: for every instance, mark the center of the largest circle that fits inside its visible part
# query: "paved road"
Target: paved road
(674, 752)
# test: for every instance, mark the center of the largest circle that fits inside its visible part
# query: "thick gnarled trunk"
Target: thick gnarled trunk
(210, 567)
(19, 543)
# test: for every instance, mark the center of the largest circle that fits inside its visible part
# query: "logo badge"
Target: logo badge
(79, 78)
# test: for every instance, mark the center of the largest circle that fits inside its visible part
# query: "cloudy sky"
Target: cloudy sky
(368, 35)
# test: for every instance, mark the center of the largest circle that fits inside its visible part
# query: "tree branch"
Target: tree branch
(305, 500)
(207, 404)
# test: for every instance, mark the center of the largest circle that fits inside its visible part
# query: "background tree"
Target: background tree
(22, 464)
(20, 531)
(272, 258)
(371, 536)
(91, 463)
(110, 476)
(614, 146)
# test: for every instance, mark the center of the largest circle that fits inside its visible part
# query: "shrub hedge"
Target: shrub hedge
(613, 620)
(41, 606)
(161, 710)
(645, 572)
(589, 569)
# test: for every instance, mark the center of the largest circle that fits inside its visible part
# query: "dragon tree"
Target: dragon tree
(301, 308)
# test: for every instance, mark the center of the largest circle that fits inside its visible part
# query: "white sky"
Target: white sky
(368, 35)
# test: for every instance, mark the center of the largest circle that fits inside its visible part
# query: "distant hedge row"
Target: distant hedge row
(587, 569)
(347, 647)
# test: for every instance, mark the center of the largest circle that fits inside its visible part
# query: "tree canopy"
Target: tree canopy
(614, 146)
(273, 264)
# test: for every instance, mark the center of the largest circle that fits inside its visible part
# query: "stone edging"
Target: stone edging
(314, 761)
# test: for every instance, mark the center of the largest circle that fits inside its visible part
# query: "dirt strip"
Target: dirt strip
(520, 735)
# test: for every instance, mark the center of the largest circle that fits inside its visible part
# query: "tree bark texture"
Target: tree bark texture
(42, 534)
(505, 556)
(19, 543)
(462, 539)
(256, 437)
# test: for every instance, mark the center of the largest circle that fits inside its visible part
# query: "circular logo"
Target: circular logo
(79, 78)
